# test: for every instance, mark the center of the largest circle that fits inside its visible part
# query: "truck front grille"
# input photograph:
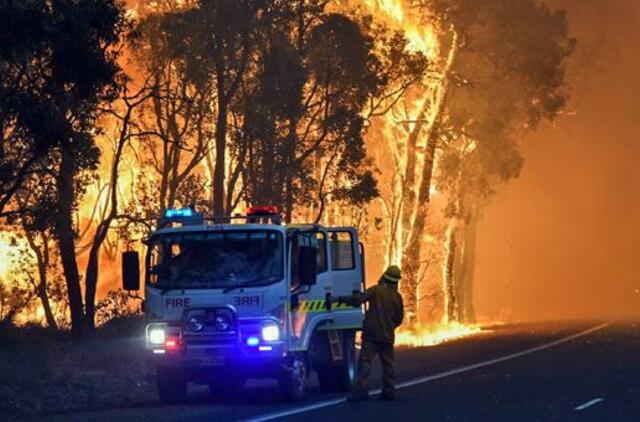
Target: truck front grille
(205, 339)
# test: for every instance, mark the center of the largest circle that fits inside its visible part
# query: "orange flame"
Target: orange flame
(432, 334)
(4, 252)
(421, 37)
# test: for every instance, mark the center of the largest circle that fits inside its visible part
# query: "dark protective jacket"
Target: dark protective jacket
(384, 314)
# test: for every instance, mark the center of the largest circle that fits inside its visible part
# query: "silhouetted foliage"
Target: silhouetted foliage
(59, 64)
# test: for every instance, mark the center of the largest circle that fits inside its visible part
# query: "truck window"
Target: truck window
(342, 252)
(216, 259)
(317, 239)
(322, 252)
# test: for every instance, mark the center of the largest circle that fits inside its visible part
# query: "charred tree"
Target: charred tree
(65, 234)
(491, 95)
(467, 270)
(412, 250)
(127, 131)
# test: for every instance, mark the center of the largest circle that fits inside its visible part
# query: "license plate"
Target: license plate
(213, 361)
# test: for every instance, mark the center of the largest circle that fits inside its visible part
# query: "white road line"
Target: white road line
(422, 380)
(589, 404)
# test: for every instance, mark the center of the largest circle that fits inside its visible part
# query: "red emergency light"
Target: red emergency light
(263, 210)
(172, 343)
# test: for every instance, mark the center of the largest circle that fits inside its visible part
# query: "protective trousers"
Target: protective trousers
(368, 352)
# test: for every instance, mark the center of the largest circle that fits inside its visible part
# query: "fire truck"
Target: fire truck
(247, 297)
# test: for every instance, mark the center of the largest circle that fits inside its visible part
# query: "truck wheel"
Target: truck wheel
(345, 372)
(172, 384)
(292, 381)
(340, 376)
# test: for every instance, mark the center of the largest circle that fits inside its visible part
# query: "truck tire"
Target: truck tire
(345, 372)
(171, 384)
(340, 376)
(293, 381)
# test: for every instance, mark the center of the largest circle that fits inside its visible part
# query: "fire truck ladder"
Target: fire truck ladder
(335, 345)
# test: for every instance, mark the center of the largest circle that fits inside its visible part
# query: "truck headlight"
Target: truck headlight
(156, 336)
(270, 333)
(222, 323)
(196, 323)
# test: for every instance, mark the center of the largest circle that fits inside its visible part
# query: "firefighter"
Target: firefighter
(384, 314)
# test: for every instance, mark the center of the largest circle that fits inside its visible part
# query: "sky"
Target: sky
(563, 240)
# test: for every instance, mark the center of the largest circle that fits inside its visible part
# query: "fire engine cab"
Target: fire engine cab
(234, 298)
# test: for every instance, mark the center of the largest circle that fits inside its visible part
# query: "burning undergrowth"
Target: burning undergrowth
(432, 334)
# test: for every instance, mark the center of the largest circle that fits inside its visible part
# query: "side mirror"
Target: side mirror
(308, 268)
(130, 271)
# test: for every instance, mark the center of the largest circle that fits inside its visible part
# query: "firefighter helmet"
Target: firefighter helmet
(392, 274)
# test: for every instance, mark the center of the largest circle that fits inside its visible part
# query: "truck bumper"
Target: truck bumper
(204, 363)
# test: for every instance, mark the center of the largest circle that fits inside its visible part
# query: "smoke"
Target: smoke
(563, 240)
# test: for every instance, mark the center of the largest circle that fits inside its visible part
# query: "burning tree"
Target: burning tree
(270, 82)
(318, 107)
(497, 70)
(503, 75)
(71, 71)
(308, 149)
(215, 43)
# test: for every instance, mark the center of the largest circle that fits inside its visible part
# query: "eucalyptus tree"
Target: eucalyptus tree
(504, 74)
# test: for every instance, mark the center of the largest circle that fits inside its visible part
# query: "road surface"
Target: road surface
(530, 372)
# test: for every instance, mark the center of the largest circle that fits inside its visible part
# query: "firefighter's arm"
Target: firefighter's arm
(356, 299)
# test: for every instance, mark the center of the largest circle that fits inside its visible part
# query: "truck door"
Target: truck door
(346, 264)
(347, 274)
(310, 301)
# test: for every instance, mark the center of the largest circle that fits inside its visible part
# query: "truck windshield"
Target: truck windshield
(215, 259)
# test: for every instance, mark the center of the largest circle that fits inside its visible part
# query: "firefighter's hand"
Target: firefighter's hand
(328, 301)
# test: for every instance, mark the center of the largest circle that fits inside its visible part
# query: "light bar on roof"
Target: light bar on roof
(178, 213)
(263, 210)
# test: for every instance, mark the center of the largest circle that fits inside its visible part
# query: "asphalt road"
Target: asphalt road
(531, 372)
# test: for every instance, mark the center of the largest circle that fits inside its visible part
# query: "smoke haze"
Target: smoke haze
(563, 240)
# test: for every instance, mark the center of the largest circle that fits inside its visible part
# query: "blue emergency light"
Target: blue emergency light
(178, 213)
(253, 341)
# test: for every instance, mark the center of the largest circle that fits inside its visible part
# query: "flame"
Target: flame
(421, 37)
(437, 333)
(392, 132)
(4, 252)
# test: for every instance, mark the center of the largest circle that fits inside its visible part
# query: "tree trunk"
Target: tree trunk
(290, 170)
(288, 199)
(408, 187)
(43, 262)
(468, 264)
(65, 235)
(46, 304)
(449, 275)
(412, 251)
(91, 283)
(221, 144)
(91, 275)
